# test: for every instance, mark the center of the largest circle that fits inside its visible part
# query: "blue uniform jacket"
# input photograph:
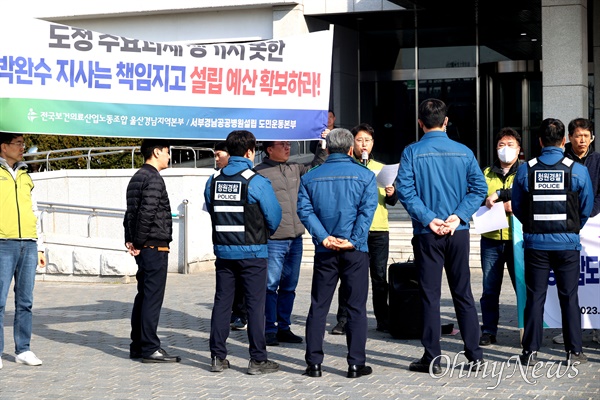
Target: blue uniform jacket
(259, 191)
(338, 199)
(439, 177)
(580, 182)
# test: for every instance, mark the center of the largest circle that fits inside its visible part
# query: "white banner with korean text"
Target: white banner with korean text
(589, 282)
(58, 79)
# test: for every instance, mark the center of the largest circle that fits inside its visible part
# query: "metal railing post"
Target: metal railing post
(41, 217)
(186, 266)
(92, 215)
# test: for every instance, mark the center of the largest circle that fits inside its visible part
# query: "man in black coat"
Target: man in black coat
(148, 232)
(581, 136)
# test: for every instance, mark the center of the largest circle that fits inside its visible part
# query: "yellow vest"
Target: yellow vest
(380, 220)
(494, 184)
(17, 220)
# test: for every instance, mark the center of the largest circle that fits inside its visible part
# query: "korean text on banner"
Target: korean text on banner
(58, 79)
(589, 282)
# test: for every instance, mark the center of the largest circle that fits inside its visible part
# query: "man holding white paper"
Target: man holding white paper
(496, 246)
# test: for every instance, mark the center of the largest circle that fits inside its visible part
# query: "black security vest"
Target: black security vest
(552, 206)
(235, 222)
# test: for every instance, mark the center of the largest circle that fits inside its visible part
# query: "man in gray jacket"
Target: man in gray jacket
(285, 245)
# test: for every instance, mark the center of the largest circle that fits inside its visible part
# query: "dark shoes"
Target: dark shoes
(383, 326)
(284, 336)
(528, 357)
(271, 339)
(573, 357)
(339, 329)
(238, 324)
(160, 356)
(476, 364)
(262, 367)
(487, 339)
(426, 367)
(314, 371)
(218, 365)
(356, 371)
(287, 336)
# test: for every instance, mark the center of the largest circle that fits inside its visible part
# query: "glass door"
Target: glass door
(511, 96)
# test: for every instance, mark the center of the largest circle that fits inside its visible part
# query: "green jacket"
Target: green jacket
(17, 219)
(496, 181)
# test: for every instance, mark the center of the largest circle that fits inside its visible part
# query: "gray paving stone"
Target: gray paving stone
(81, 332)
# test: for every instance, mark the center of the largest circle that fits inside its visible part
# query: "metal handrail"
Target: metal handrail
(104, 151)
(98, 211)
(93, 211)
(89, 155)
(192, 149)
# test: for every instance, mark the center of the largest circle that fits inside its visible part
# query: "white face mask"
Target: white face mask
(507, 154)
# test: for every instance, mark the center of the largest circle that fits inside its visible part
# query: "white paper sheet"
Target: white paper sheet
(387, 175)
(490, 219)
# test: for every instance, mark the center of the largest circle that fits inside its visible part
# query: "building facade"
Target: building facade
(496, 64)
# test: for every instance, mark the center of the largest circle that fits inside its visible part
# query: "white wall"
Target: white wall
(70, 252)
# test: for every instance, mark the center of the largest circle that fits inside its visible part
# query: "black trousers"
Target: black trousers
(565, 264)
(379, 250)
(432, 253)
(352, 268)
(253, 276)
(151, 282)
(238, 310)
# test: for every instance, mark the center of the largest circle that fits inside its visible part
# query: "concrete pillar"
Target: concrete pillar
(289, 21)
(596, 33)
(345, 79)
(565, 59)
(344, 91)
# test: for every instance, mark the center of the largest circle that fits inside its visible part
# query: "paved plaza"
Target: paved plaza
(81, 333)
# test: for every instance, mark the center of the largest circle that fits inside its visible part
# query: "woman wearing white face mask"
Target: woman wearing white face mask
(496, 246)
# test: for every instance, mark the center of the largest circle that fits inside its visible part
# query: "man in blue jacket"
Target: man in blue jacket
(553, 198)
(440, 185)
(244, 213)
(336, 204)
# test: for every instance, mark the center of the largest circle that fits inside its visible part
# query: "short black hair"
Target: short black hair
(365, 128)
(508, 132)
(432, 113)
(148, 146)
(265, 145)
(581, 123)
(239, 142)
(221, 146)
(7, 137)
(552, 132)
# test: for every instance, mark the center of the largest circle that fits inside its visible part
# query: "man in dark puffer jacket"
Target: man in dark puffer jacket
(148, 229)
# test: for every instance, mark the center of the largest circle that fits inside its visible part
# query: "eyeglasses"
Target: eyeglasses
(22, 144)
(284, 144)
(365, 141)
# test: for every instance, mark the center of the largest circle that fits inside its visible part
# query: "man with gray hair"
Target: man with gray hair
(336, 204)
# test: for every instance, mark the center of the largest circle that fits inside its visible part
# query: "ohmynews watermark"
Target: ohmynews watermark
(501, 370)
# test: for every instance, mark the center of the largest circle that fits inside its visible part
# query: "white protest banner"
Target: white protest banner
(589, 282)
(58, 79)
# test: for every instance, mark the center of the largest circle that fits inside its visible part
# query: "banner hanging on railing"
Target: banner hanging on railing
(58, 79)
